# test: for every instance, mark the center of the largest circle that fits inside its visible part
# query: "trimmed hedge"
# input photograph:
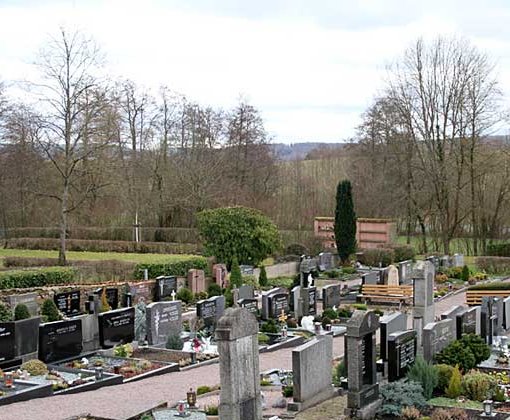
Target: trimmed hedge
(373, 256)
(499, 250)
(498, 285)
(493, 265)
(36, 278)
(178, 268)
(104, 246)
(404, 252)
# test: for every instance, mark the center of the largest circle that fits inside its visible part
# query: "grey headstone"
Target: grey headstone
(331, 296)
(404, 271)
(252, 305)
(140, 321)
(210, 310)
(371, 278)
(28, 299)
(236, 335)
(423, 294)
(246, 292)
(452, 314)
(390, 324)
(458, 260)
(506, 305)
(468, 322)
(500, 315)
(436, 336)
(163, 320)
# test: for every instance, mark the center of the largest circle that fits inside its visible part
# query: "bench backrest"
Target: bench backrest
(385, 290)
(474, 297)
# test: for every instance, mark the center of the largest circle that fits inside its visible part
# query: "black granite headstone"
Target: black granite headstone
(401, 353)
(7, 341)
(164, 287)
(68, 302)
(209, 310)
(60, 340)
(311, 300)
(466, 322)
(251, 304)
(116, 327)
(277, 303)
(112, 296)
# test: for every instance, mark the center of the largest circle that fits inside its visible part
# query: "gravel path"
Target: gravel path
(123, 401)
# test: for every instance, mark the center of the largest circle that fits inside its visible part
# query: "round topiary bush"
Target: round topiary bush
(214, 290)
(21, 312)
(49, 311)
(185, 295)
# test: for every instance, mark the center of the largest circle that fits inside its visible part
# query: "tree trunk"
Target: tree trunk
(63, 225)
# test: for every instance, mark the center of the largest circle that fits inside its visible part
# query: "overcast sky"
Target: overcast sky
(310, 66)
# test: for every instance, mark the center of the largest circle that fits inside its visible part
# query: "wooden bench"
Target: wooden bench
(386, 293)
(474, 297)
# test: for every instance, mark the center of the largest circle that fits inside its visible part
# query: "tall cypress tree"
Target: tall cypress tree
(345, 221)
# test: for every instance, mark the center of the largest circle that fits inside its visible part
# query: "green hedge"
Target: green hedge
(404, 252)
(36, 278)
(498, 285)
(373, 256)
(178, 268)
(499, 250)
(493, 265)
(104, 246)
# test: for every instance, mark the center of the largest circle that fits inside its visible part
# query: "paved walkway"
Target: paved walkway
(123, 401)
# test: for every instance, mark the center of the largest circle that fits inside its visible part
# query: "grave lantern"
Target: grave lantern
(191, 398)
(487, 409)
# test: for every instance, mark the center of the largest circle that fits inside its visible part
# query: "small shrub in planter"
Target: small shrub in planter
(425, 374)
(360, 306)
(457, 354)
(288, 391)
(400, 394)
(465, 273)
(478, 386)
(475, 343)
(292, 323)
(263, 282)
(263, 338)
(5, 313)
(203, 389)
(454, 389)
(269, 327)
(348, 270)
(214, 290)
(185, 295)
(21, 312)
(330, 313)
(211, 410)
(325, 321)
(49, 311)
(333, 273)
(344, 312)
(174, 342)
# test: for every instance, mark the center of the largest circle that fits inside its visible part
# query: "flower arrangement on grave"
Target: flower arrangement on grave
(35, 367)
(123, 350)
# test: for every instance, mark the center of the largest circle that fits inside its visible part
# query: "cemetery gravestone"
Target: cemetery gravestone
(506, 306)
(210, 310)
(28, 299)
(436, 336)
(404, 271)
(458, 260)
(468, 322)
(310, 299)
(196, 280)
(401, 353)
(68, 302)
(278, 302)
(112, 297)
(452, 314)
(26, 334)
(295, 301)
(165, 285)
(331, 296)
(252, 305)
(116, 327)
(247, 270)
(390, 324)
(371, 278)
(392, 276)
(246, 292)
(499, 312)
(487, 319)
(7, 341)
(236, 335)
(363, 394)
(325, 261)
(60, 340)
(163, 320)
(140, 292)
(423, 297)
(267, 311)
(220, 275)
(311, 372)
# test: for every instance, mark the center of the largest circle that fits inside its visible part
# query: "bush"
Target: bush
(103, 246)
(457, 354)
(493, 265)
(214, 290)
(49, 311)
(174, 342)
(404, 252)
(269, 327)
(373, 256)
(35, 367)
(296, 249)
(475, 343)
(325, 321)
(465, 273)
(496, 285)
(236, 279)
(499, 250)
(400, 394)
(454, 272)
(360, 306)
(348, 270)
(330, 313)
(5, 313)
(176, 268)
(123, 350)
(21, 312)
(425, 374)
(449, 414)
(36, 278)
(203, 389)
(454, 388)
(339, 372)
(185, 295)
(478, 386)
(288, 391)
(105, 306)
(211, 410)
(263, 338)
(263, 277)
(250, 280)
(344, 312)
(238, 231)
(410, 413)
(499, 395)
(444, 373)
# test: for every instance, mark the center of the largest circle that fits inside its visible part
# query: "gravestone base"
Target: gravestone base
(316, 399)
(368, 412)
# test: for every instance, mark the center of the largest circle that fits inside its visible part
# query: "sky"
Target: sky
(310, 66)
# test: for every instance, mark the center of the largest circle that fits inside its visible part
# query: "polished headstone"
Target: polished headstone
(60, 340)
(401, 353)
(69, 303)
(116, 327)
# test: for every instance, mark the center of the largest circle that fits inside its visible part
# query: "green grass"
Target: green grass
(97, 256)
(448, 402)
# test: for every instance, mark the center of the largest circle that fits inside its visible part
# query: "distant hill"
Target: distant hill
(296, 151)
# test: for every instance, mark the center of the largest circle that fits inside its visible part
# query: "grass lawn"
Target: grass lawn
(97, 256)
(448, 402)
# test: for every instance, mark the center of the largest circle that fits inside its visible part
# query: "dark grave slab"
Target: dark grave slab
(466, 322)
(487, 318)
(163, 319)
(27, 335)
(310, 300)
(452, 314)
(251, 304)
(247, 270)
(28, 299)
(7, 341)
(401, 353)
(277, 303)
(23, 391)
(390, 324)
(112, 296)
(436, 336)
(60, 340)
(331, 296)
(210, 310)
(165, 285)
(68, 302)
(506, 313)
(116, 327)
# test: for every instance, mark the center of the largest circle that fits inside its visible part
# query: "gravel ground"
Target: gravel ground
(122, 401)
